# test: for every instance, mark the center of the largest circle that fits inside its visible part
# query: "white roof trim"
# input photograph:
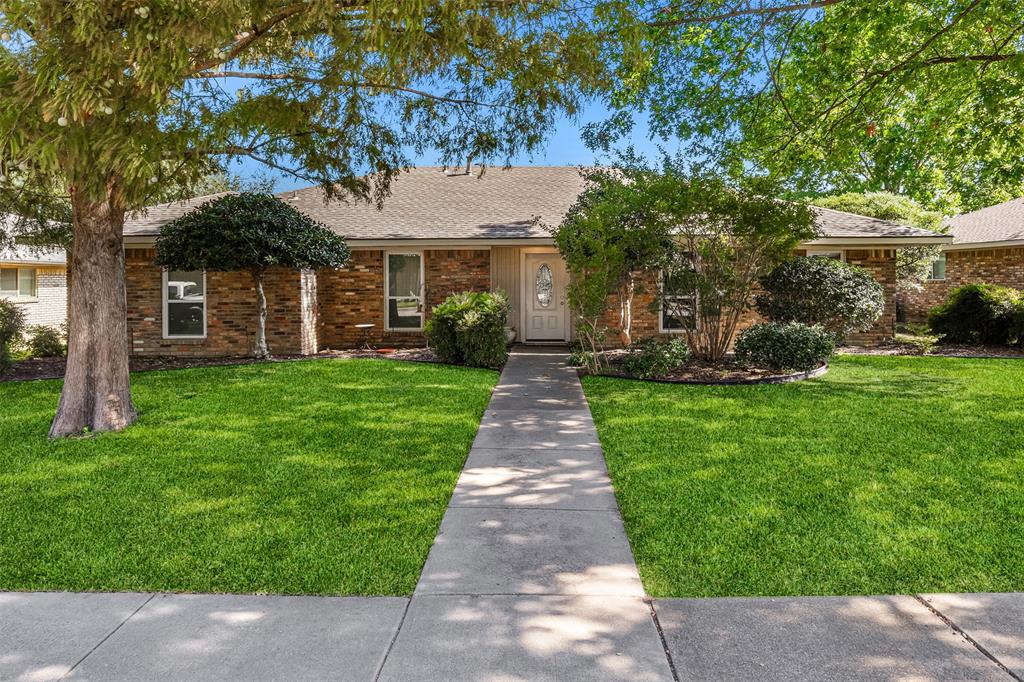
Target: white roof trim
(869, 242)
(974, 246)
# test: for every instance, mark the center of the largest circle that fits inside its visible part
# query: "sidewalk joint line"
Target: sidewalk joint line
(528, 508)
(661, 636)
(394, 638)
(960, 631)
(108, 636)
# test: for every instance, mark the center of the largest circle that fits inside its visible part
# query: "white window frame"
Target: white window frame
(827, 253)
(388, 296)
(166, 303)
(661, 307)
(16, 294)
(931, 273)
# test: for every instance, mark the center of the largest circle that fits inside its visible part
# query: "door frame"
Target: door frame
(525, 293)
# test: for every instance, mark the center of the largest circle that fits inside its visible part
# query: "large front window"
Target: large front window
(405, 291)
(677, 305)
(184, 304)
(18, 283)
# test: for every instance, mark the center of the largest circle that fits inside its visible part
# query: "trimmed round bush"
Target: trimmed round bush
(45, 342)
(12, 324)
(653, 356)
(469, 329)
(840, 297)
(784, 346)
(979, 314)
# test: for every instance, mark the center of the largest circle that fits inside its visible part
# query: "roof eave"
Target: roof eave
(868, 242)
(973, 246)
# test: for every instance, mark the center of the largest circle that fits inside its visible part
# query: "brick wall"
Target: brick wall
(50, 306)
(231, 312)
(355, 294)
(1004, 267)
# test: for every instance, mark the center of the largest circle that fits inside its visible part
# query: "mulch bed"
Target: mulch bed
(727, 372)
(53, 368)
(941, 350)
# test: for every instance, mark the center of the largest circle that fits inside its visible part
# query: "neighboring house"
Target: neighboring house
(987, 248)
(438, 233)
(37, 282)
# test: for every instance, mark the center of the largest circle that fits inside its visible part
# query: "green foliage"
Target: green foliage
(249, 232)
(44, 341)
(12, 324)
(469, 328)
(841, 297)
(581, 357)
(919, 99)
(913, 263)
(654, 357)
(979, 314)
(784, 346)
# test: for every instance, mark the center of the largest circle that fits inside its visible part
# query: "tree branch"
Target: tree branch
(744, 12)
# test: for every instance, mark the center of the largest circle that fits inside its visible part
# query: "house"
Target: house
(987, 248)
(36, 281)
(438, 233)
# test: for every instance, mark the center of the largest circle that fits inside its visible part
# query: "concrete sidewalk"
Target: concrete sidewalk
(530, 578)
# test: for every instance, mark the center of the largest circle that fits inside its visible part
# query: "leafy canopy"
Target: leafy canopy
(250, 232)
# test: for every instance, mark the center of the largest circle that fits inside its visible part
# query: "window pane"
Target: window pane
(404, 313)
(677, 313)
(185, 319)
(9, 280)
(185, 286)
(939, 268)
(27, 281)
(403, 274)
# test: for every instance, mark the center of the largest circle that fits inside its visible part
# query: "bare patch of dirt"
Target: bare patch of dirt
(53, 368)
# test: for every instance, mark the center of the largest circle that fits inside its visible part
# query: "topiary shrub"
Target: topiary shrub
(840, 297)
(977, 314)
(46, 342)
(469, 328)
(652, 357)
(12, 324)
(784, 346)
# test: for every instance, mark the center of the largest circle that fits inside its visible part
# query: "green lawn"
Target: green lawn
(311, 477)
(887, 475)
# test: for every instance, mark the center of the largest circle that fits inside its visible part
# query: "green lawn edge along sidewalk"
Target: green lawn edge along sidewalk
(306, 477)
(888, 475)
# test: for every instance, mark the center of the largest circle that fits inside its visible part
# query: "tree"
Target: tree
(608, 238)
(249, 232)
(113, 100)
(915, 98)
(913, 263)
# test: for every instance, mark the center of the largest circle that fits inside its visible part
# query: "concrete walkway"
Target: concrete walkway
(530, 578)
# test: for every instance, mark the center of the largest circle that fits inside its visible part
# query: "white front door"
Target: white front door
(544, 307)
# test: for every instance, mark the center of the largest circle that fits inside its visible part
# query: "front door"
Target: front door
(545, 297)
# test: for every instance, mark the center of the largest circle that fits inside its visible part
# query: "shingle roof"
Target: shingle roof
(27, 254)
(1000, 223)
(427, 203)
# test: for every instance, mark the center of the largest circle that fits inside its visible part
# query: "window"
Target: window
(404, 296)
(938, 268)
(677, 306)
(821, 253)
(18, 283)
(184, 304)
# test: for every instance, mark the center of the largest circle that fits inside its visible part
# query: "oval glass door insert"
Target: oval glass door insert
(544, 285)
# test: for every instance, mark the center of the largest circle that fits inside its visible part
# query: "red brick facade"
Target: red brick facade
(310, 311)
(1004, 267)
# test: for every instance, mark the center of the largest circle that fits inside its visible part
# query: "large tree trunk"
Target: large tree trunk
(96, 394)
(260, 350)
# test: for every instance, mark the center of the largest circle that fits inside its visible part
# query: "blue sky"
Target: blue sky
(564, 147)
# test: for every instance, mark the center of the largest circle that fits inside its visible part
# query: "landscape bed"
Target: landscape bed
(887, 475)
(305, 477)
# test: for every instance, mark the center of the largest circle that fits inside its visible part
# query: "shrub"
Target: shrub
(12, 324)
(977, 314)
(652, 357)
(469, 328)
(840, 297)
(784, 346)
(46, 342)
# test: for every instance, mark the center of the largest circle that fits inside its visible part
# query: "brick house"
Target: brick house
(36, 281)
(438, 233)
(987, 248)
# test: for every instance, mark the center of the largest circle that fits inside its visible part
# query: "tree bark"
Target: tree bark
(97, 393)
(260, 350)
(626, 294)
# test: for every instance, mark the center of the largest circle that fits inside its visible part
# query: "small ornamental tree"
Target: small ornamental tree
(249, 232)
(841, 297)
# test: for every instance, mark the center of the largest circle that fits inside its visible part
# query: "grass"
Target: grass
(311, 477)
(887, 475)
